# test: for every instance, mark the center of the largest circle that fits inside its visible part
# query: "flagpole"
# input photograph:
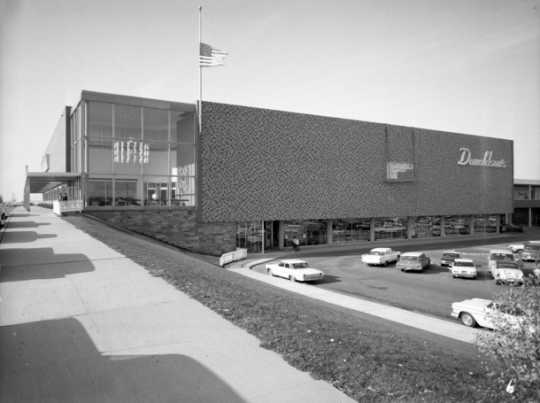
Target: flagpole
(200, 70)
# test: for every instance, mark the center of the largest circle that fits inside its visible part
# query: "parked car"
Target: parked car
(294, 270)
(506, 272)
(531, 252)
(448, 257)
(511, 228)
(3, 214)
(380, 256)
(516, 247)
(463, 268)
(484, 313)
(496, 255)
(416, 261)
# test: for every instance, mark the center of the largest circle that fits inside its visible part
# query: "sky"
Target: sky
(460, 66)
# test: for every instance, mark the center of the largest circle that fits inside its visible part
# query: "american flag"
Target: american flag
(210, 56)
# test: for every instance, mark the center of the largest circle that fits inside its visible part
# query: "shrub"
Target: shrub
(515, 343)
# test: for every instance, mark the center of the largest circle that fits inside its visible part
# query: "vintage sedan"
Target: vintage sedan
(380, 256)
(463, 268)
(448, 257)
(516, 247)
(294, 270)
(506, 272)
(413, 261)
(485, 313)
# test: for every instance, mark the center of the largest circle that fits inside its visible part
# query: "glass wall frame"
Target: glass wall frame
(148, 145)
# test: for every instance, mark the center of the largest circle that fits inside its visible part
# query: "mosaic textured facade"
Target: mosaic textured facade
(260, 164)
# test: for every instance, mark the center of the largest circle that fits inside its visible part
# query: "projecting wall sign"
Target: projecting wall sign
(465, 158)
(131, 152)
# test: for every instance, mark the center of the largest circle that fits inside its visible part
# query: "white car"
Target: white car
(516, 247)
(506, 272)
(484, 313)
(380, 256)
(294, 270)
(496, 255)
(463, 268)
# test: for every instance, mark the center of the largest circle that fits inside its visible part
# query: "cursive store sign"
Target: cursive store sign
(131, 152)
(465, 158)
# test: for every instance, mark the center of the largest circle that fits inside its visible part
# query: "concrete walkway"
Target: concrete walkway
(81, 322)
(446, 328)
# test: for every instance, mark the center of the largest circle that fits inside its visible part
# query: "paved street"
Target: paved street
(81, 322)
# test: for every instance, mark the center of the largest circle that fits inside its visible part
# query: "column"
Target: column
(443, 230)
(471, 225)
(329, 233)
(498, 223)
(530, 217)
(281, 236)
(372, 230)
(410, 227)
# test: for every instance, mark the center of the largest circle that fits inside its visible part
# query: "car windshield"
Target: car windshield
(409, 258)
(501, 256)
(450, 255)
(465, 264)
(302, 265)
(507, 265)
(377, 252)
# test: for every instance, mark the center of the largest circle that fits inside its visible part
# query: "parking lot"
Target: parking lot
(431, 291)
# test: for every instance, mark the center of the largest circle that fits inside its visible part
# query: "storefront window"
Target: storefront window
(99, 192)
(182, 191)
(485, 223)
(249, 236)
(426, 227)
(126, 193)
(536, 192)
(312, 232)
(350, 230)
(521, 193)
(156, 192)
(457, 225)
(391, 228)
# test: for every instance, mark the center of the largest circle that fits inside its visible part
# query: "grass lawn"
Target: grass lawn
(367, 358)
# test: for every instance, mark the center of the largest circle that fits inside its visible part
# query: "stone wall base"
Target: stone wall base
(175, 227)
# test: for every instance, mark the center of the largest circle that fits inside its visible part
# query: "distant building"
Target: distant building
(257, 178)
(526, 202)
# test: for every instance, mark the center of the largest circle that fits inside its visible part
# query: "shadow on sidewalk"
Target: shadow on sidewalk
(56, 360)
(24, 236)
(26, 224)
(19, 264)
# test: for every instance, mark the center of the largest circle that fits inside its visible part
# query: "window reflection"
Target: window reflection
(99, 192)
(99, 122)
(125, 193)
(391, 228)
(156, 125)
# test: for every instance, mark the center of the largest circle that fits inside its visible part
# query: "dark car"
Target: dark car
(448, 258)
(511, 228)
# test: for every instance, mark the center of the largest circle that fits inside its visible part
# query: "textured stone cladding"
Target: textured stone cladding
(176, 227)
(257, 164)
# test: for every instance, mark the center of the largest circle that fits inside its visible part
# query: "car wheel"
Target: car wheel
(292, 278)
(497, 282)
(467, 319)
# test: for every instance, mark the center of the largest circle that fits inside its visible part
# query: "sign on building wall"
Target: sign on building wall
(131, 152)
(465, 158)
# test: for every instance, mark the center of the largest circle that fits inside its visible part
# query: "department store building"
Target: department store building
(257, 178)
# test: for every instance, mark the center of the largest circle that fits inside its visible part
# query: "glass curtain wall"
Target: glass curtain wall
(427, 227)
(348, 230)
(146, 154)
(457, 225)
(391, 228)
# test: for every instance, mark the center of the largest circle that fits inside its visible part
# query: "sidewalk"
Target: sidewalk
(441, 327)
(81, 322)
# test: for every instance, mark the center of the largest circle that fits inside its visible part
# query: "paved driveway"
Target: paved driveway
(431, 291)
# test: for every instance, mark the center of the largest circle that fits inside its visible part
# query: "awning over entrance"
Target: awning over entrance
(40, 182)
